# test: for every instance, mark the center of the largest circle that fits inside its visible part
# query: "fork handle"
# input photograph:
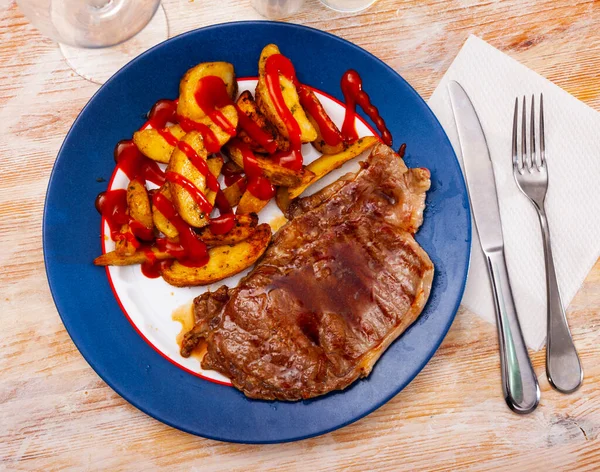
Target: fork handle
(563, 367)
(519, 383)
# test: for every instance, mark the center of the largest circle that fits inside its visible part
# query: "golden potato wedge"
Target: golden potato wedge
(231, 167)
(268, 50)
(224, 261)
(235, 154)
(162, 223)
(138, 257)
(326, 163)
(290, 98)
(152, 144)
(277, 174)
(248, 106)
(215, 164)
(250, 204)
(125, 246)
(184, 203)
(234, 192)
(138, 203)
(187, 105)
(320, 145)
(282, 198)
(307, 95)
(243, 229)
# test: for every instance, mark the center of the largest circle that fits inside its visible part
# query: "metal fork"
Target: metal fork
(530, 170)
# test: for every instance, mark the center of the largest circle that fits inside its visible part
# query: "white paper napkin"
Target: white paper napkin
(493, 80)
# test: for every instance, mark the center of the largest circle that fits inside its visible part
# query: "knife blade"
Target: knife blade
(478, 169)
(519, 382)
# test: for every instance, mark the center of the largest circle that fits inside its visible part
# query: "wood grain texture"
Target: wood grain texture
(56, 413)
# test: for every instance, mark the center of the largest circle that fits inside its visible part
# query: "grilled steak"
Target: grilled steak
(339, 283)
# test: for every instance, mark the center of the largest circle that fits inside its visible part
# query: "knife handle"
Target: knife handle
(519, 383)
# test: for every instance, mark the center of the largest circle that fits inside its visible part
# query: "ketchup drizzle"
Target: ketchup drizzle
(222, 224)
(140, 231)
(231, 173)
(222, 203)
(255, 132)
(151, 267)
(354, 95)
(134, 164)
(211, 142)
(194, 192)
(195, 253)
(112, 205)
(258, 185)
(200, 164)
(167, 136)
(309, 101)
(211, 93)
(164, 111)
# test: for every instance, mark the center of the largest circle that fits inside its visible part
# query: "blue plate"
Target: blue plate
(72, 238)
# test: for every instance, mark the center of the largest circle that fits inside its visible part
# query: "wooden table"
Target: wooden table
(55, 412)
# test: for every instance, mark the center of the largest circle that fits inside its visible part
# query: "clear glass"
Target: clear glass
(275, 9)
(83, 27)
(348, 6)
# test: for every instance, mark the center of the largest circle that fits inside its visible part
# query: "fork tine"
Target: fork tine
(515, 150)
(532, 135)
(524, 159)
(542, 141)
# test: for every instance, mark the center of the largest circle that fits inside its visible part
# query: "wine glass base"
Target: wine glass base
(347, 7)
(98, 65)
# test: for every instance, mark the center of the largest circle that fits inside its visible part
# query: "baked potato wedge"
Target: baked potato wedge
(138, 204)
(215, 164)
(160, 222)
(152, 144)
(243, 229)
(184, 203)
(282, 198)
(163, 224)
(277, 174)
(124, 245)
(224, 261)
(320, 144)
(138, 257)
(248, 106)
(234, 192)
(326, 163)
(250, 204)
(187, 105)
(290, 97)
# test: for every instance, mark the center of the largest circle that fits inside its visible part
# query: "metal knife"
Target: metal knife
(519, 383)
